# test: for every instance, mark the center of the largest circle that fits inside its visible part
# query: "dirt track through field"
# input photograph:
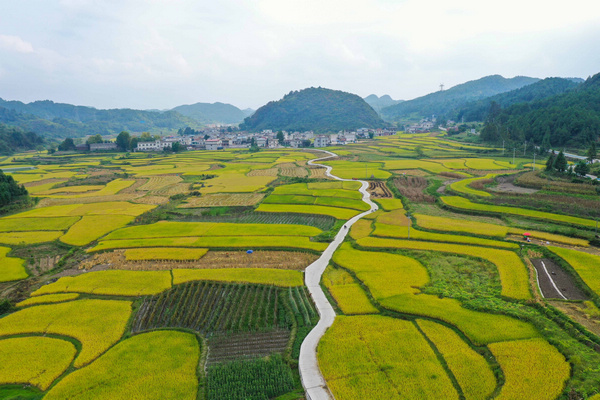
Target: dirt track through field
(312, 380)
(554, 282)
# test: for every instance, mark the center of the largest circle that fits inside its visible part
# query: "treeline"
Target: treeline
(569, 119)
(13, 139)
(10, 190)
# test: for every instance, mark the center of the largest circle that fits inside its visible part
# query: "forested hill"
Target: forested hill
(317, 109)
(216, 113)
(59, 120)
(14, 139)
(568, 119)
(477, 111)
(442, 102)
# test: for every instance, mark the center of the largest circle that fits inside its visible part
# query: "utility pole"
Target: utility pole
(503, 148)
(524, 147)
(514, 152)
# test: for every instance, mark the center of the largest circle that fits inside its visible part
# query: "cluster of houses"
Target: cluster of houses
(425, 125)
(215, 139)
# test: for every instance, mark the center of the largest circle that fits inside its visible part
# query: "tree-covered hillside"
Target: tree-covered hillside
(568, 119)
(477, 111)
(216, 113)
(58, 120)
(317, 109)
(14, 139)
(10, 191)
(442, 102)
(379, 103)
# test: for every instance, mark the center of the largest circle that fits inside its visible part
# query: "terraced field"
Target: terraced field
(182, 276)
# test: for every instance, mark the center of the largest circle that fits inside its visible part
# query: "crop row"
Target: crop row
(249, 380)
(323, 222)
(214, 307)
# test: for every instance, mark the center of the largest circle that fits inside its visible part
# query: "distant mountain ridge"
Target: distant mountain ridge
(212, 113)
(477, 111)
(442, 102)
(317, 109)
(379, 103)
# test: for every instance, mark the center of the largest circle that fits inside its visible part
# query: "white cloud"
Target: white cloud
(15, 43)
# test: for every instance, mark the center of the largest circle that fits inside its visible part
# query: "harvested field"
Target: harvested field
(413, 188)
(378, 189)
(212, 260)
(318, 173)
(229, 347)
(159, 182)
(264, 172)
(48, 202)
(224, 199)
(156, 200)
(414, 172)
(293, 170)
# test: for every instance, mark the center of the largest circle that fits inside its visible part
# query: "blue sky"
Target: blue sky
(163, 53)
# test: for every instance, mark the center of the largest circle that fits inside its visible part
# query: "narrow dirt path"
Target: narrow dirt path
(312, 380)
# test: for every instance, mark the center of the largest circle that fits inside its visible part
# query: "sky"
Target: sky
(158, 54)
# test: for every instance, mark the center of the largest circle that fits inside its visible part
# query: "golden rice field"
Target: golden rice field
(49, 298)
(92, 227)
(96, 324)
(11, 268)
(264, 276)
(532, 369)
(460, 226)
(30, 237)
(348, 294)
(376, 357)
(473, 373)
(36, 361)
(160, 364)
(164, 253)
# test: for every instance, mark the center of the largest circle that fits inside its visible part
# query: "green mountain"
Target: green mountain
(13, 139)
(442, 102)
(317, 109)
(379, 103)
(212, 113)
(477, 111)
(568, 119)
(58, 120)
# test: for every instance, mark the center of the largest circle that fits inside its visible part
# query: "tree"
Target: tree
(550, 162)
(280, 137)
(176, 147)
(592, 153)
(582, 168)
(94, 139)
(253, 146)
(133, 142)
(67, 145)
(560, 163)
(146, 137)
(123, 140)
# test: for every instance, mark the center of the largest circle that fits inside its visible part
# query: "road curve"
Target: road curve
(312, 380)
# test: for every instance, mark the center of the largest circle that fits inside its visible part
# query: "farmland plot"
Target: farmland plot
(11, 268)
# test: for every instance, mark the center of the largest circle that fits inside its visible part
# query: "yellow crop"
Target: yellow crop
(97, 324)
(551, 237)
(462, 203)
(36, 224)
(513, 273)
(34, 360)
(533, 369)
(339, 213)
(245, 242)
(472, 372)
(360, 229)
(164, 253)
(11, 268)
(106, 208)
(153, 365)
(586, 265)
(460, 225)
(390, 204)
(33, 237)
(463, 186)
(401, 232)
(92, 227)
(111, 282)
(50, 298)
(377, 358)
(487, 164)
(348, 294)
(265, 276)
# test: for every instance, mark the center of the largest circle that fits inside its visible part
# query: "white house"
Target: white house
(322, 141)
(213, 144)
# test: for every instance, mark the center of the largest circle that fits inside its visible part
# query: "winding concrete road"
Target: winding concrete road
(312, 380)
